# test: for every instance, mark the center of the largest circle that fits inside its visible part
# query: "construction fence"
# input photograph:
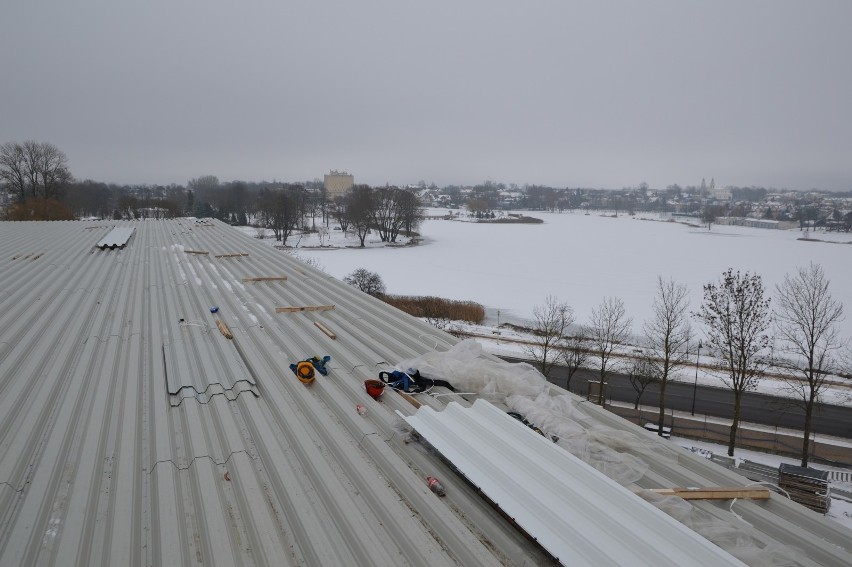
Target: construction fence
(778, 442)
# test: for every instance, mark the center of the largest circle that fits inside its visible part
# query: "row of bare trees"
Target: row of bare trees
(390, 211)
(736, 320)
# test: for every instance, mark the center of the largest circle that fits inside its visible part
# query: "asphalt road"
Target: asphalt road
(718, 402)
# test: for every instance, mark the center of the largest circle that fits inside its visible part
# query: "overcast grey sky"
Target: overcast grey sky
(593, 94)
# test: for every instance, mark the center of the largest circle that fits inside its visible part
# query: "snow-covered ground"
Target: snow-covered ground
(583, 258)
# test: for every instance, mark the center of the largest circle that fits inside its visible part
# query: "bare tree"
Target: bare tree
(576, 354)
(642, 373)
(550, 321)
(736, 317)
(280, 210)
(412, 212)
(34, 170)
(806, 318)
(608, 327)
(668, 333)
(387, 212)
(204, 188)
(339, 211)
(360, 210)
(369, 282)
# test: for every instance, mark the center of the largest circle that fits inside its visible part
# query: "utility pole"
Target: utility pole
(695, 385)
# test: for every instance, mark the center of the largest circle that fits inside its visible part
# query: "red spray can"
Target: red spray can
(436, 486)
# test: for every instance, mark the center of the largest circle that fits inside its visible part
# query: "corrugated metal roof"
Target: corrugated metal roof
(576, 513)
(132, 432)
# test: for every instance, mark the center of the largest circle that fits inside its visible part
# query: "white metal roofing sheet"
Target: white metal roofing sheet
(575, 512)
(116, 238)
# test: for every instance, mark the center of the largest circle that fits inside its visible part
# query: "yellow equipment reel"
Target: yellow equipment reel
(305, 372)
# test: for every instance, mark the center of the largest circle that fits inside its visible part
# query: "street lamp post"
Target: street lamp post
(695, 385)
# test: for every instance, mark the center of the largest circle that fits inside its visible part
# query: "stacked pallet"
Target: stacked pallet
(808, 487)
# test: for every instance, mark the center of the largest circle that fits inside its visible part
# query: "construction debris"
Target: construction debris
(304, 308)
(265, 279)
(234, 255)
(195, 252)
(325, 330)
(223, 328)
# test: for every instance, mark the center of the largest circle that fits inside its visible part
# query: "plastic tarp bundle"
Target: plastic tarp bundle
(735, 540)
(613, 452)
(524, 390)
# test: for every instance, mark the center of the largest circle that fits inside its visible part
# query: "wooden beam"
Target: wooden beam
(714, 493)
(305, 308)
(325, 329)
(265, 279)
(196, 252)
(234, 255)
(409, 398)
(223, 328)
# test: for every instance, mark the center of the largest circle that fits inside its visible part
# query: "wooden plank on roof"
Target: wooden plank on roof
(409, 398)
(233, 255)
(265, 279)
(714, 493)
(196, 252)
(304, 308)
(325, 329)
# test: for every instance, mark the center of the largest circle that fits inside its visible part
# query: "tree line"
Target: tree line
(735, 319)
(39, 180)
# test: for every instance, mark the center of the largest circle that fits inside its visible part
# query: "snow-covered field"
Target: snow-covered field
(583, 258)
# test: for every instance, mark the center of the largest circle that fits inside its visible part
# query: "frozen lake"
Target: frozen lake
(583, 258)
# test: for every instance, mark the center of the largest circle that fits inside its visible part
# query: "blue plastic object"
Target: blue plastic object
(214, 310)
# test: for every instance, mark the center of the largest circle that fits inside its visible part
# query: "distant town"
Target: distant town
(37, 184)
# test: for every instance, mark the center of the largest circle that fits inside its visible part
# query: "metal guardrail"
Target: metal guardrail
(840, 476)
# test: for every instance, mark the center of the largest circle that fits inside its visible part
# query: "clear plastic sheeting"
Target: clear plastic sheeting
(525, 390)
(604, 448)
(464, 368)
(735, 540)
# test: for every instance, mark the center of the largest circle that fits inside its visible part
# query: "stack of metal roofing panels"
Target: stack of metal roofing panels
(117, 238)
